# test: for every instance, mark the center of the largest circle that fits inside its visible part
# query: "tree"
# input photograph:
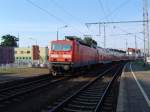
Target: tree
(89, 41)
(9, 41)
(73, 37)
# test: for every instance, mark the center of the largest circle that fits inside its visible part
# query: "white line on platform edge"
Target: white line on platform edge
(124, 70)
(139, 85)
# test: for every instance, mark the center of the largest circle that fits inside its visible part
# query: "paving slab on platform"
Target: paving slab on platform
(134, 91)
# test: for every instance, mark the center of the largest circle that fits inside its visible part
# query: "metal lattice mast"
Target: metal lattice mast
(104, 36)
(116, 22)
(146, 28)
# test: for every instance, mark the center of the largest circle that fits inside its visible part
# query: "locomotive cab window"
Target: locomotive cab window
(66, 47)
(61, 47)
(56, 47)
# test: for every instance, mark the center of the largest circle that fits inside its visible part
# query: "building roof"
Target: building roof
(133, 50)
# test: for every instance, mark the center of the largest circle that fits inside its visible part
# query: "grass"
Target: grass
(23, 71)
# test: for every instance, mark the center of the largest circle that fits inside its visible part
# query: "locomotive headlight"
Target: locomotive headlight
(66, 67)
(54, 56)
(50, 66)
(66, 56)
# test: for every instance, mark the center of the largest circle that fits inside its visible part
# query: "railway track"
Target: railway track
(10, 83)
(16, 93)
(92, 96)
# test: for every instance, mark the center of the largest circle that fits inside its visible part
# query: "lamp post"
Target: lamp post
(34, 40)
(35, 60)
(59, 29)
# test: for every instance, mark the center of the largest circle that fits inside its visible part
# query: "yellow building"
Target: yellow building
(31, 55)
(43, 57)
(23, 55)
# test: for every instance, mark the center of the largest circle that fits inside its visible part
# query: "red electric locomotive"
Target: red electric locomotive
(65, 55)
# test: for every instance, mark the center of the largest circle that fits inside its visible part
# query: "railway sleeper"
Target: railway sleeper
(107, 109)
(5, 93)
(82, 107)
(84, 103)
(97, 88)
(93, 94)
(93, 90)
(2, 106)
(4, 103)
(16, 100)
(87, 97)
(75, 110)
(108, 104)
(86, 100)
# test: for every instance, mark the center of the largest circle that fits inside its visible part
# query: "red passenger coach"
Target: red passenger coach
(65, 55)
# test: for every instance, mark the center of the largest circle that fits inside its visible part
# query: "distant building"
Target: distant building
(6, 55)
(43, 56)
(34, 54)
(134, 52)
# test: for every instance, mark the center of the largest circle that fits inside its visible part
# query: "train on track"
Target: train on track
(70, 54)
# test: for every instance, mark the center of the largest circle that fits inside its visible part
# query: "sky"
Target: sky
(38, 20)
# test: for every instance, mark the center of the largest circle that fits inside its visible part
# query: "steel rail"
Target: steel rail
(100, 103)
(60, 105)
(26, 90)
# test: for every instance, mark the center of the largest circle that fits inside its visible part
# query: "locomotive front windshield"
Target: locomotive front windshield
(61, 47)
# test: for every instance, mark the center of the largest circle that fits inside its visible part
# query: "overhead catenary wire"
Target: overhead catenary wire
(52, 15)
(108, 15)
(102, 7)
(117, 22)
(64, 10)
(117, 8)
(67, 12)
(46, 11)
(112, 12)
(128, 33)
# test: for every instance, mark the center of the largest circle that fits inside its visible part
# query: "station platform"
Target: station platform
(134, 90)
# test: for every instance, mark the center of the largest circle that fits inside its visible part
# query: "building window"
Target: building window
(16, 57)
(20, 58)
(28, 52)
(23, 57)
(29, 57)
(21, 52)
